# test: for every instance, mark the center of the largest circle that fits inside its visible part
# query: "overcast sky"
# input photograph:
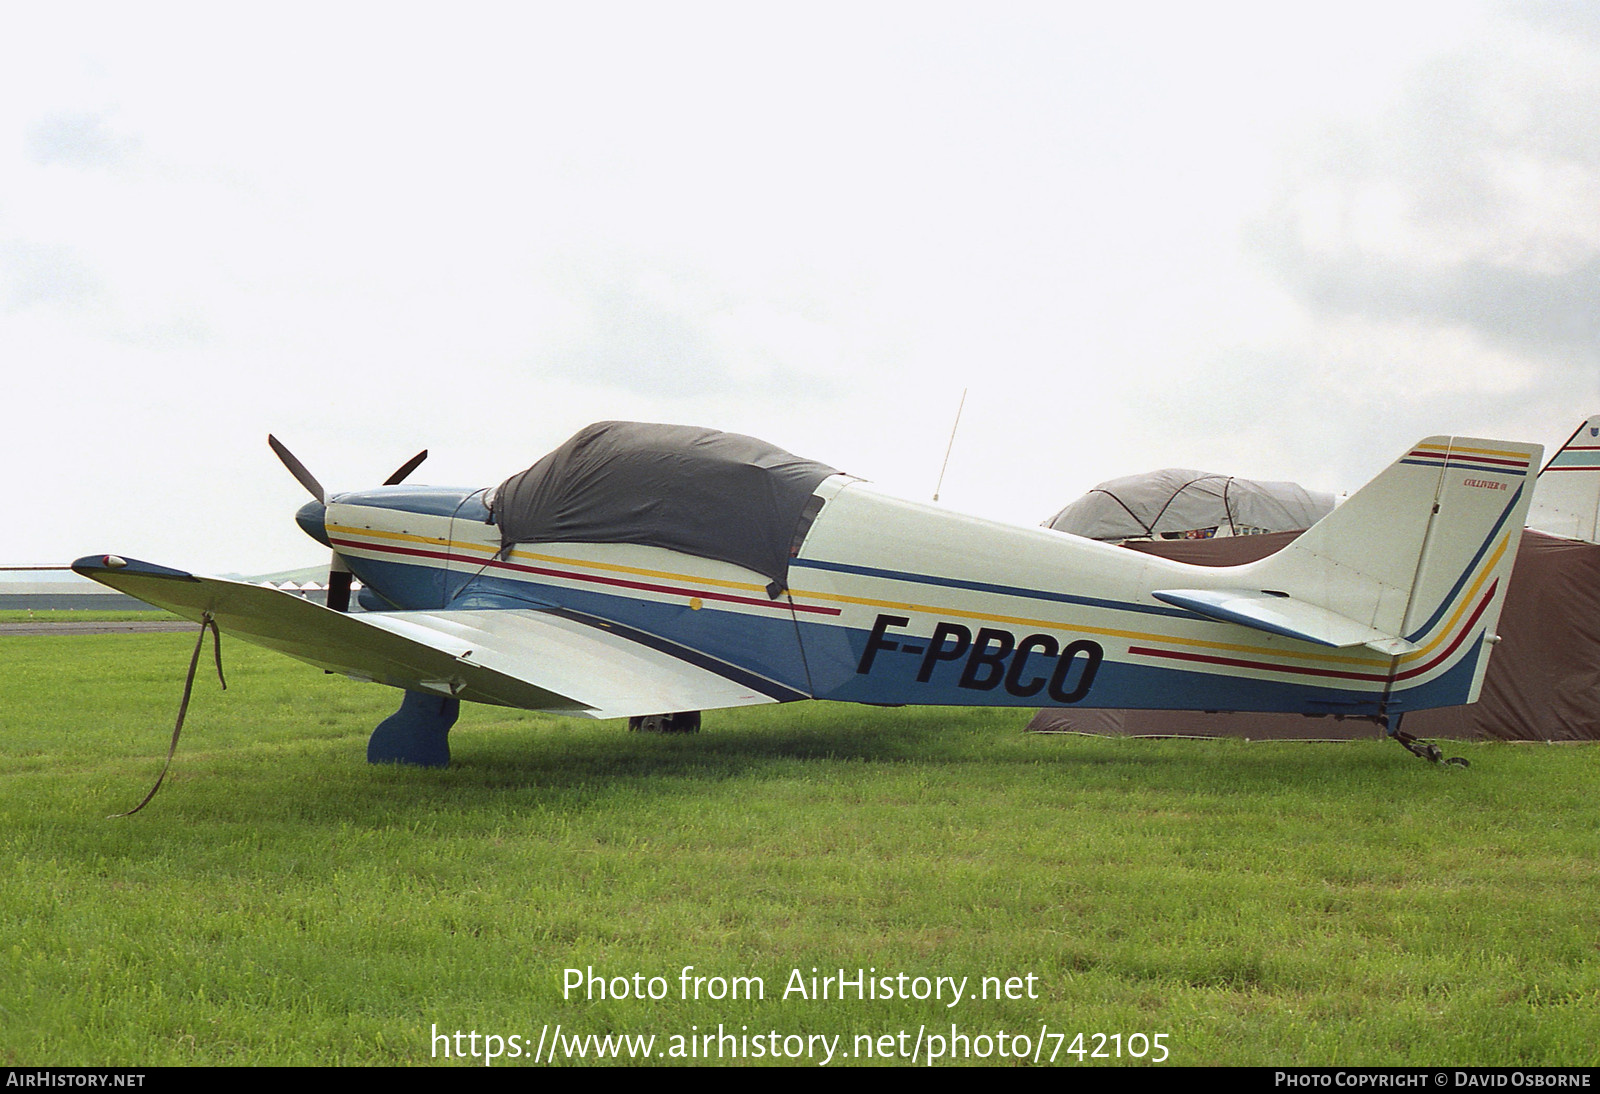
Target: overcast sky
(1274, 240)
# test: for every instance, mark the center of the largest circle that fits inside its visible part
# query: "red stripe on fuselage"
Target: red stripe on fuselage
(1241, 663)
(1306, 670)
(623, 583)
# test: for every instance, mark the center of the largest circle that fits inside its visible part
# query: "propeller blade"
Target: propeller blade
(339, 581)
(405, 469)
(298, 469)
(339, 590)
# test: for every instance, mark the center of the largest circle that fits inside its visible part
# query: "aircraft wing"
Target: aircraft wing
(536, 660)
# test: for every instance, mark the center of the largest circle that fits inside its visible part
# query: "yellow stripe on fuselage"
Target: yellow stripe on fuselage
(401, 537)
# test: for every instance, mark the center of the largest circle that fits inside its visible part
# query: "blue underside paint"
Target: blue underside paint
(370, 601)
(405, 585)
(1447, 690)
(834, 654)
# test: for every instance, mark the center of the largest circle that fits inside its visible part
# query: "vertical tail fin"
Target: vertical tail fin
(1422, 554)
(1567, 501)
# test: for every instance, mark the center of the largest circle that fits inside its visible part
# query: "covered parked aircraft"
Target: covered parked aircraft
(641, 570)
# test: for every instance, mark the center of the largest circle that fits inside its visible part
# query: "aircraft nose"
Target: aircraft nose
(312, 518)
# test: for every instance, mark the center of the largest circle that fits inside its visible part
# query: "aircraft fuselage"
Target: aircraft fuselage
(889, 602)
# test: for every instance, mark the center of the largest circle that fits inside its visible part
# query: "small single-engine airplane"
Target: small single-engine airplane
(1566, 502)
(652, 571)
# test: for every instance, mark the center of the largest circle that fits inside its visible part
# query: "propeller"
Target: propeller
(298, 469)
(405, 469)
(339, 576)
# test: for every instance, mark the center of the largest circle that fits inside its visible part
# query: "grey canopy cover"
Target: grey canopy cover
(700, 491)
(1176, 501)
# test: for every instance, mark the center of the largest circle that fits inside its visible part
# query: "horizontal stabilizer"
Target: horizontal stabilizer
(1280, 613)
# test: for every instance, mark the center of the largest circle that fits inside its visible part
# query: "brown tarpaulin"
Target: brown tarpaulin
(1543, 682)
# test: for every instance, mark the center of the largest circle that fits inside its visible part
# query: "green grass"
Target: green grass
(283, 902)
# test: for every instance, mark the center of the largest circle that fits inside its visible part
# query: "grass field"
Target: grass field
(283, 902)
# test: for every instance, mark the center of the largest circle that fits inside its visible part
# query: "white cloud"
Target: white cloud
(477, 230)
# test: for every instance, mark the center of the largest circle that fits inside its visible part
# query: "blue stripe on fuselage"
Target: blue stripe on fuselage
(988, 587)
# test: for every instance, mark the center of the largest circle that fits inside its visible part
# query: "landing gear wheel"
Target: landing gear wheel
(1427, 750)
(686, 721)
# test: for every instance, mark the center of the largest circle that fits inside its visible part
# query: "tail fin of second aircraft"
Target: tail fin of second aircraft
(1414, 565)
(1567, 501)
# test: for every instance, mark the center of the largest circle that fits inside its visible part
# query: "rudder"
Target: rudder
(1421, 554)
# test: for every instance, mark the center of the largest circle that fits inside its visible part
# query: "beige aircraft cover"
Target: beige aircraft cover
(1176, 501)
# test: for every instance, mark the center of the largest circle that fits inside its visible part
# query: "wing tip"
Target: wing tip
(95, 565)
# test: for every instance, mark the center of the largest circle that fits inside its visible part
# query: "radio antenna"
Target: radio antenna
(940, 484)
